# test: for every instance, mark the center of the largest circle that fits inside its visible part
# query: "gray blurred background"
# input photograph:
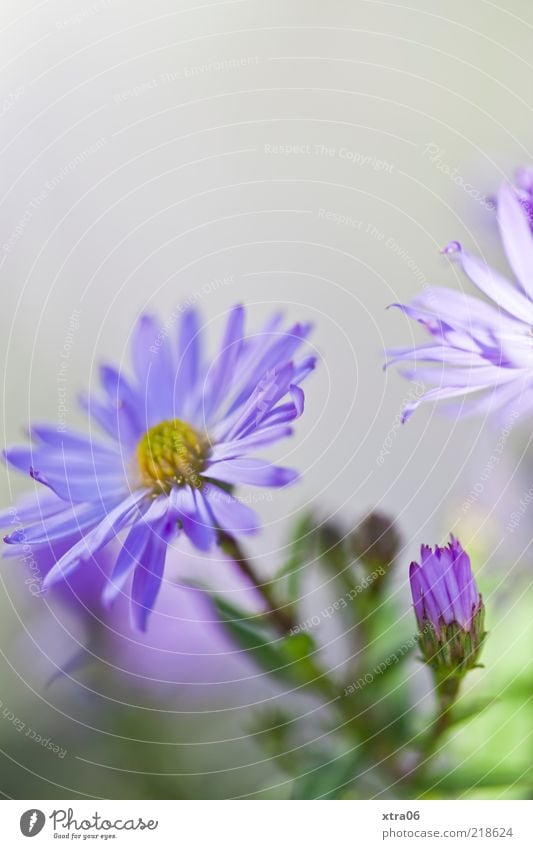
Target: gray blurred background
(305, 154)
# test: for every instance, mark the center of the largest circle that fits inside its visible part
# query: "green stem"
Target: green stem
(278, 613)
(319, 680)
(446, 689)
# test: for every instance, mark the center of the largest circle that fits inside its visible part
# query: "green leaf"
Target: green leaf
(301, 544)
(460, 781)
(329, 779)
(520, 689)
(274, 731)
(461, 713)
(287, 657)
(380, 671)
(229, 612)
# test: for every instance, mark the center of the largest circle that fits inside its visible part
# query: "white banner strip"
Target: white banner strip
(255, 824)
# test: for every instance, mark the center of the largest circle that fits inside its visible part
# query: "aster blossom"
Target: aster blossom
(448, 607)
(179, 435)
(482, 350)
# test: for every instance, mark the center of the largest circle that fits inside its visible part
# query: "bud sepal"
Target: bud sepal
(452, 649)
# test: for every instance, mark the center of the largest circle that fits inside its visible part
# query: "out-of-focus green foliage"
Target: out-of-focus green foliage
(382, 732)
(360, 729)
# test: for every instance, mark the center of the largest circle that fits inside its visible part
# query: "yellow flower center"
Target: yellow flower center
(171, 453)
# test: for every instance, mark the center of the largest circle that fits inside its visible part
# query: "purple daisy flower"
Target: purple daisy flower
(479, 347)
(448, 607)
(180, 432)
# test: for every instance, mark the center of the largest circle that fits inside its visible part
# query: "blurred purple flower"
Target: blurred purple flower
(180, 432)
(479, 347)
(186, 645)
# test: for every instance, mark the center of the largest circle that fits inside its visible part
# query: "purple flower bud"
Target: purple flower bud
(448, 607)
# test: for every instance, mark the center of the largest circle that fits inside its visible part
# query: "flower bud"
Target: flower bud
(376, 542)
(448, 608)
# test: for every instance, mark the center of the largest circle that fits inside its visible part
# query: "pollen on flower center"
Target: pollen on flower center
(171, 453)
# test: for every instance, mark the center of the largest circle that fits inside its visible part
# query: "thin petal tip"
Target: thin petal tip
(452, 248)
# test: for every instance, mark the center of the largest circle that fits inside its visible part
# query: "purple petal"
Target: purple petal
(252, 471)
(115, 421)
(222, 371)
(460, 311)
(32, 507)
(431, 322)
(147, 579)
(57, 527)
(416, 591)
(155, 372)
(298, 399)
(122, 396)
(133, 548)
(455, 591)
(479, 377)
(189, 364)
(435, 570)
(239, 447)
(128, 559)
(516, 237)
(302, 370)
(229, 513)
(271, 349)
(497, 398)
(280, 414)
(497, 287)
(197, 524)
(431, 608)
(71, 441)
(72, 488)
(145, 336)
(113, 522)
(438, 395)
(469, 593)
(79, 464)
(271, 388)
(435, 353)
